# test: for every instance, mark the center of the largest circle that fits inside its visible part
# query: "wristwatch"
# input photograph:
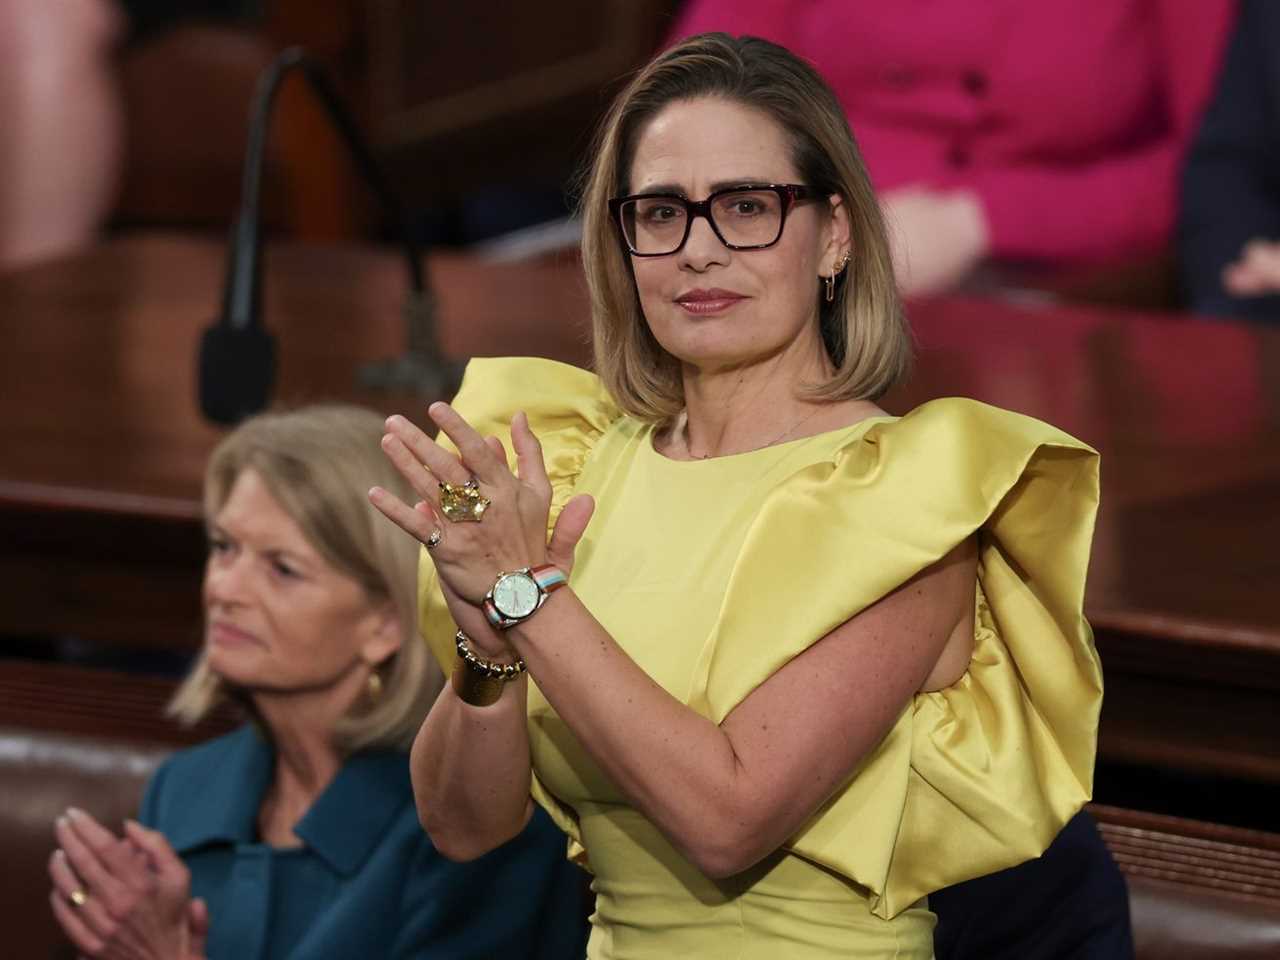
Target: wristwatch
(515, 596)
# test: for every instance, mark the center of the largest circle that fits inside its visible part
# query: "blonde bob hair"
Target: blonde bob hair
(863, 329)
(318, 463)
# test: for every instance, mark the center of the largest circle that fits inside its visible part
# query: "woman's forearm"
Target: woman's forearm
(676, 767)
(729, 794)
(471, 773)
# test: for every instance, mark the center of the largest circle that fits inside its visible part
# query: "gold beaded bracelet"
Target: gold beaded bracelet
(477, 681)
(488, 669)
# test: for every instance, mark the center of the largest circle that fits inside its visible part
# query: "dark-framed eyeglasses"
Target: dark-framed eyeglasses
(748, 216)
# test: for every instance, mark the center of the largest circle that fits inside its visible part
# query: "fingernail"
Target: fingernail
(75, 813)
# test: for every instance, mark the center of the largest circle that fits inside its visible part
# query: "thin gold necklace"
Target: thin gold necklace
(778, 439)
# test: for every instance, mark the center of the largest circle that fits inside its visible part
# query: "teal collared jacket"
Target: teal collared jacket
(366, 882)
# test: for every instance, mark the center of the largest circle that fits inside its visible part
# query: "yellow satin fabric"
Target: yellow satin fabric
(777, 547)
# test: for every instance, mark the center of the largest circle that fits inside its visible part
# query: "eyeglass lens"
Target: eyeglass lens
(745, 218)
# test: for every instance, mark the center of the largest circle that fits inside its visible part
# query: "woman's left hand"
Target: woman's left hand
(512, 532)
(123, 898)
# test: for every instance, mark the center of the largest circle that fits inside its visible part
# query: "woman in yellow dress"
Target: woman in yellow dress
(805, 662)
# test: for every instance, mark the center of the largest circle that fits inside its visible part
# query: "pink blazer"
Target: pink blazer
(1067, 118)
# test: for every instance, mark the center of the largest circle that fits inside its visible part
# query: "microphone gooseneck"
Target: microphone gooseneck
(237, 355)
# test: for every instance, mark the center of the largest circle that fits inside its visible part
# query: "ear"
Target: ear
(839, 236)
(380, 634)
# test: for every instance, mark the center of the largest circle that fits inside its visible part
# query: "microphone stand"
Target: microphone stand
(239, 335)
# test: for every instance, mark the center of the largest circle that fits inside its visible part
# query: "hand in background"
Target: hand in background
(133, 893)
(1257, 272)
(936, 237)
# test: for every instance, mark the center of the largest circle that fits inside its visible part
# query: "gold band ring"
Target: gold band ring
(78, 898)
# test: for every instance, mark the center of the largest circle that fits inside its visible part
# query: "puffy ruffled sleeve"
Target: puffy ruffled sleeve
(981, 775)
(568, 409)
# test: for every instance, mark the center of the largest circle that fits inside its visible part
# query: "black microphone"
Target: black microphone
(237, 360)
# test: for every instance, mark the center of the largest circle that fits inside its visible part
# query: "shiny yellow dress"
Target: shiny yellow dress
(712, 574)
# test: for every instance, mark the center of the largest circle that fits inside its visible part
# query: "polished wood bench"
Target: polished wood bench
(1197, 891)
(87, 701)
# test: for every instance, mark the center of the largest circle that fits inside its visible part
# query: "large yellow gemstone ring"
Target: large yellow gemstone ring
(462, 504)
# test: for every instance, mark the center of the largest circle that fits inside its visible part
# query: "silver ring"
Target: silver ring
(435, 538)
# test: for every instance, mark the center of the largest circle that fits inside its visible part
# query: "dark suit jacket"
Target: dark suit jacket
(1231, 184)
(367, 882)
(1071, 903)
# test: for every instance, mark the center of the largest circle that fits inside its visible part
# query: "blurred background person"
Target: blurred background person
(1230, 228)
(297, 834)
(61, 129)
(64, 124)
(1045, 133)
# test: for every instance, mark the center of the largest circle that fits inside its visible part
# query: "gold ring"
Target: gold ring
(78, 897)
(462, 504)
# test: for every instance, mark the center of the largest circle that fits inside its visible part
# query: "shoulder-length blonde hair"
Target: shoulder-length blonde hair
(318, 463)
(863, 329)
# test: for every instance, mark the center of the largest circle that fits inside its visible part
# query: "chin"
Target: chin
(239, 668)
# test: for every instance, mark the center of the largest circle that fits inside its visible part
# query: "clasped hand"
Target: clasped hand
(124, 898)
(512, 533)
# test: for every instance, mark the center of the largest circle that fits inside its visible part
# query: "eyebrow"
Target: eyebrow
(214, 529)
(675, 189)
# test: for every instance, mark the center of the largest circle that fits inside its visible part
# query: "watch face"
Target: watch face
(515, 595)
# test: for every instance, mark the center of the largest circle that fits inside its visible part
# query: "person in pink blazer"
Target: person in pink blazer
(1047, 132)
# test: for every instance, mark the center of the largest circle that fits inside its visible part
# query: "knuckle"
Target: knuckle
(116, 909)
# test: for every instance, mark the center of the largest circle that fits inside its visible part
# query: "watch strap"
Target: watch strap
(494, 617)
(548, 577)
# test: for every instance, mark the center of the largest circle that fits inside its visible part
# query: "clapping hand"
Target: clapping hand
(512, 531)
(124, 898)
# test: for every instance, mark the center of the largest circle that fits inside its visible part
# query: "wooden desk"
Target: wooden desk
(1184, 578)
(102, 448)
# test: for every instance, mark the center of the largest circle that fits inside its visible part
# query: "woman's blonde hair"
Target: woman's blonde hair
(863, 329)
(319, 462)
